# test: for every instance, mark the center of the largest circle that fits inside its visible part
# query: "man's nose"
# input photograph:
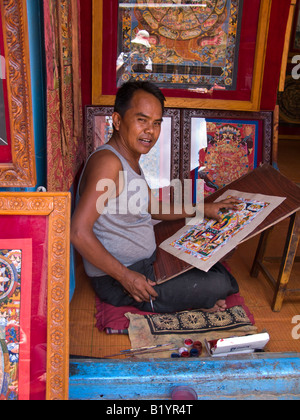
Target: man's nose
(149, 128)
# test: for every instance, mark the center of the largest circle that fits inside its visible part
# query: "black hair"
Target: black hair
(127, 90)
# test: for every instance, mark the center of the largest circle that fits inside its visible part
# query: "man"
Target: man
(117, 242)
(137, 60)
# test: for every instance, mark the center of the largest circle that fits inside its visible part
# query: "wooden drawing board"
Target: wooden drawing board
(263, 180)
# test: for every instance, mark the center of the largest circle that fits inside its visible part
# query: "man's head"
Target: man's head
(138, 116)
(126, 92)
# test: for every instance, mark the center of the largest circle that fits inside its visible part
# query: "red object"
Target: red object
(184, 393)
(198, 346)
(36, 228)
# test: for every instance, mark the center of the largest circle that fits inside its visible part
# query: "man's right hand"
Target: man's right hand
(139, 287)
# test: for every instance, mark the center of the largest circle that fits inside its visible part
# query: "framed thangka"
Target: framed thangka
(220, 146)
(203, 54)
(161, 165)
(17, 157)
(179, 44)
(15, 315)
(34, 295)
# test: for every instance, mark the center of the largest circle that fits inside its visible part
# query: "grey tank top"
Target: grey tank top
(125, 228)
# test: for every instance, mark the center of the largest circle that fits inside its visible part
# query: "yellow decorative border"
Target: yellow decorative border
(21, 172)
(258, 72)
(57, 208)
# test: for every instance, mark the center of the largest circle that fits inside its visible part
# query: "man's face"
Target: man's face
(141, 125)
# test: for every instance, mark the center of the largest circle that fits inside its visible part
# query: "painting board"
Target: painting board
(204, 244)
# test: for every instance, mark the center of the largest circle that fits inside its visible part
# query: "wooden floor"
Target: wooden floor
(86, 340)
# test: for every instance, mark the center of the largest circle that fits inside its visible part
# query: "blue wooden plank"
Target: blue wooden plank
(266, 376)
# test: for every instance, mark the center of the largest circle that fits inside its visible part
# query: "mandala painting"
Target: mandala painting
(14, 340)
(189, 43)
(204, 243)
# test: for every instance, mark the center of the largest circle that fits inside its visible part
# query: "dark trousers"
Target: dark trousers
(194, 289)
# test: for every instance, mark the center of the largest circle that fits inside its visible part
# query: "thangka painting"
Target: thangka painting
(15, 320)
(205, 243)
(230, 153)
(178, 43)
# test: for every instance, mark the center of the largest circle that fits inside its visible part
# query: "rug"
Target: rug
(114, 320)
(157, 329)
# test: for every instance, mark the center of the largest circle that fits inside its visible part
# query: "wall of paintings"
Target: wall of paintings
(212, 148)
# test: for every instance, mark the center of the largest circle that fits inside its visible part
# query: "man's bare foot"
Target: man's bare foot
(220, 306)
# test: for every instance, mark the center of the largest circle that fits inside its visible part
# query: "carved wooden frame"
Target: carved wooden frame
(21, 172)
(57, 208)
(253, 104)
(92, 111)
(267, 131)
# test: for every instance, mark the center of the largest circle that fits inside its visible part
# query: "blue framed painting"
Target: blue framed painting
(220, 146)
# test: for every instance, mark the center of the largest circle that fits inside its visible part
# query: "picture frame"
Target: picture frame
(295, 31)
(246, 97)
(162, 164)
(246, 136)
(17, 157)
(43, 219)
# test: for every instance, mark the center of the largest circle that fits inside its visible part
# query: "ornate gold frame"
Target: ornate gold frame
(258, 72)
(57, 208)
(21, 172)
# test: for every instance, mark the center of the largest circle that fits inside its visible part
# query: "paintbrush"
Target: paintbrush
(150, 352)
(140, 349)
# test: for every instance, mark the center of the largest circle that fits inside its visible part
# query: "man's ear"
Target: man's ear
(116, 118)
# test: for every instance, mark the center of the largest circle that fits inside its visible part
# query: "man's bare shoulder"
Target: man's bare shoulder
(103, 164)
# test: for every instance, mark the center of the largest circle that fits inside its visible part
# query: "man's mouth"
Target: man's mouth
(147, 141)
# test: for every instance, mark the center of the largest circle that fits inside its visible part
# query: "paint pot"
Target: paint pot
(175, 355)
(198, 345)
(184, 393)
(188, 343)
(194, 353)
(182, 350)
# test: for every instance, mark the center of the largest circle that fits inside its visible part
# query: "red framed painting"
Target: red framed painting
(111, 20)
(15, 315)
(17, 156)
(34, 295)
